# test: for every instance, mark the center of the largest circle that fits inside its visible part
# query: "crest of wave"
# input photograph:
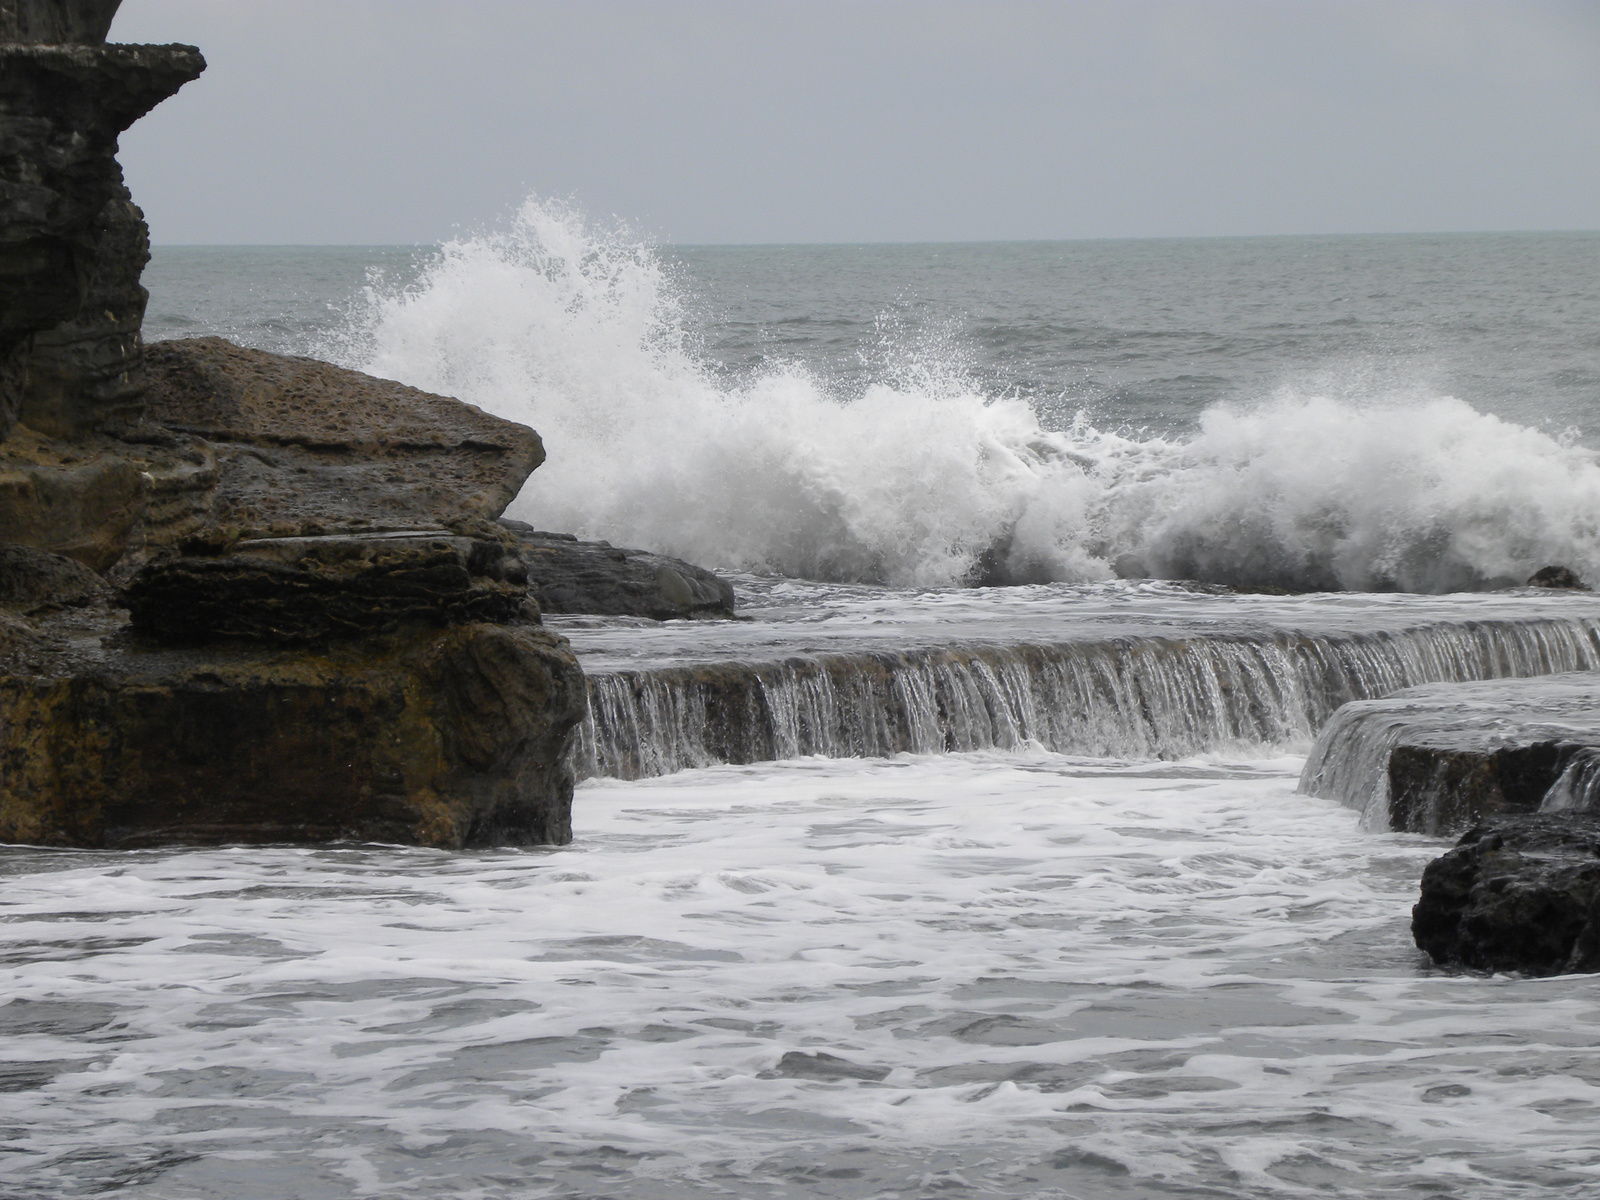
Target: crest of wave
(579, 333)
(922, 480)
(1314, 493)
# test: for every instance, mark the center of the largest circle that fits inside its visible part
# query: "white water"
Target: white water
(910, 479)
(1145, 670)
(1060, 978)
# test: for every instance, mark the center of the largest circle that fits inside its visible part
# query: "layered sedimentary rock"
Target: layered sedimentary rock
(329, 637)
(597, 578)
(449, 739)
(72, 248)
(1516, 894)
(310, 589)
(308, 447)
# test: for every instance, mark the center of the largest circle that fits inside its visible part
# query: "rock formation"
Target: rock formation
(1557, 577)
(326, 634)
(598, 578)
(72, 242)
(1516, 894)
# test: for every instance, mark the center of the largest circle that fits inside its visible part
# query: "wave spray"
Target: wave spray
(921, 479)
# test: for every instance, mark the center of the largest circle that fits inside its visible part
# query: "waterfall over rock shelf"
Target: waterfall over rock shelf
(1438, 759)
(1145, 696)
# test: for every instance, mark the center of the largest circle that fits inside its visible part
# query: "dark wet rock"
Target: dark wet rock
(1442, 790)
(72, 242)
(1519, 893)
(304, 590)
(305, 447)
(1557, 577)
(83, 22)
(599, 579)
(797, 1064)
(448, 738)
(34, 581)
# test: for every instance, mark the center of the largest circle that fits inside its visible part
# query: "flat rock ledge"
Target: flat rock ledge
(309, 589)
(1520, 893)
(1441, 758)
(598, 579)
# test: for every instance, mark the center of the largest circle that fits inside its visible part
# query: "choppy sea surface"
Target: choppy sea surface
(998, 974)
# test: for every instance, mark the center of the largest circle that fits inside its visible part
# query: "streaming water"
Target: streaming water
(977, 964)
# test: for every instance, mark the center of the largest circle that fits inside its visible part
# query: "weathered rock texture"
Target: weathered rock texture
(1516, 894)
(329, 636)
(308, 447)
(445, 739)
(72, 242)
(600, 579)
(34, 581)
(83, 22)
(302, 590)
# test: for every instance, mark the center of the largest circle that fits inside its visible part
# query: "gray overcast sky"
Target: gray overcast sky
(397, 121)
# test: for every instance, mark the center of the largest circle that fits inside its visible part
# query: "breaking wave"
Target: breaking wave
(921, 479)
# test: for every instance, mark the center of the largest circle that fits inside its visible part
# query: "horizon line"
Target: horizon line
(1039, 241)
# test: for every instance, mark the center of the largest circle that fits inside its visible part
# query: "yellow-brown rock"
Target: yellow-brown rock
(449, 738)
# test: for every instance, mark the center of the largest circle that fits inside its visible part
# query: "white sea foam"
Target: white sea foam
(580, 332)
(1035, 976)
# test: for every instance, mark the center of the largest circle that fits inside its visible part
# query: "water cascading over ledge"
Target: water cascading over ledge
(1143, 696)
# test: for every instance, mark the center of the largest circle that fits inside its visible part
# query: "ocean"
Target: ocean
(972, 862)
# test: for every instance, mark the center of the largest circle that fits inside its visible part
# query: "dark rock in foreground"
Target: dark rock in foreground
(598, 579)
(1516, 894)
(450, 739)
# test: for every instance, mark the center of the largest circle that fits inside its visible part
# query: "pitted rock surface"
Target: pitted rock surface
(308, 447)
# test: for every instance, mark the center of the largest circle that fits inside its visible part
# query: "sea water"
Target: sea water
(1014, 968)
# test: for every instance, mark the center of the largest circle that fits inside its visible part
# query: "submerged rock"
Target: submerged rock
(1516, 894)
(1440, 758)
(599, 579)
(1442, 790)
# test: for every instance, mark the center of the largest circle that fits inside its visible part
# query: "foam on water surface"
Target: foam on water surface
(922, 473)
(1026, 975)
